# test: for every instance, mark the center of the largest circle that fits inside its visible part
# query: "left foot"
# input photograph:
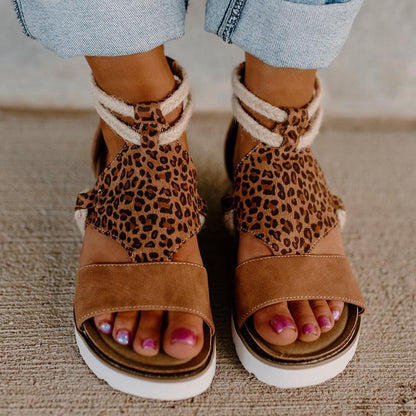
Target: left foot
(284, 322)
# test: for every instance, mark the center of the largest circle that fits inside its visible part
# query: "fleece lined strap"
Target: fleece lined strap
(265, 281)
(107, 106)
(168, 286)
(279, 115)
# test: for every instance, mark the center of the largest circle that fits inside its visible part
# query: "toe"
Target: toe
(275, 324)
(304, 317)
(124, 327)
(147, 339)
(183, 337)
(322, 314)
(336, 307)
(104, 322)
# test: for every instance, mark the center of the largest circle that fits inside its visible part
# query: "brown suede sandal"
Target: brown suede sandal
(280, 196)
(146, 199)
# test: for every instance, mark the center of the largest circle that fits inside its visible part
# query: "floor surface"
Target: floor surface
(44, 162)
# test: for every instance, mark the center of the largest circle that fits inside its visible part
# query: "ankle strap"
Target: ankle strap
(279, 115)
(106, 105)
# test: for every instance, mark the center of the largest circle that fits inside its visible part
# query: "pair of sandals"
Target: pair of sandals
(146, 198)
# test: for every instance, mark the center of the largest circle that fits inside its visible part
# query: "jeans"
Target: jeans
(283, 33)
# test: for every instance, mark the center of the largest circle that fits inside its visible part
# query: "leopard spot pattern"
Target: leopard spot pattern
(280, 194)
(147, 198)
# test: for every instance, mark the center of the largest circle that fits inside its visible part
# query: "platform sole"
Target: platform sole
(286, 377)
(179, 389)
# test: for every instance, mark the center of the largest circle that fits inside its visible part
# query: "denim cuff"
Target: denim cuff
(282, 33)
(98, 28)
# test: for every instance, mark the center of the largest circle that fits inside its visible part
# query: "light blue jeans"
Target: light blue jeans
(283, 33)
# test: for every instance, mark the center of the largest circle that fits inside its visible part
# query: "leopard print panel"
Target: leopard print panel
(147, 198)
(280, 194)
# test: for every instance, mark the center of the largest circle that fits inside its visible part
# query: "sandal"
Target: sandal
(146, 199)
(280, 196)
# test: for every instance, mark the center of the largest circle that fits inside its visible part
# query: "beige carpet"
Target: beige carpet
(44, 162)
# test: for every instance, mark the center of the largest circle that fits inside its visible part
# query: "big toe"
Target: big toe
(276, 325)
(184, 336)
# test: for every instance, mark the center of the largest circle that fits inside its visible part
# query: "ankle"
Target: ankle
(134, 78)
(281, 87)
(144, 77)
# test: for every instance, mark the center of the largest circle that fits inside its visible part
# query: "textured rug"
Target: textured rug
(44, 162)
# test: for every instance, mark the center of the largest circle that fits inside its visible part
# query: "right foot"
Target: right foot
(178, 334)
(181, 338)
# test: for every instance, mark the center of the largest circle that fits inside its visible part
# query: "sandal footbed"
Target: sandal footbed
(301, 353)
(161, 365)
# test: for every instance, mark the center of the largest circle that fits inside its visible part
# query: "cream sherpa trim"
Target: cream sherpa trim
(80, 216)
(243, 95)
(342, 217)
(247, 97)
(307, 139)
(253, 127)
(106, 105)
(175, 132)
(122, 129)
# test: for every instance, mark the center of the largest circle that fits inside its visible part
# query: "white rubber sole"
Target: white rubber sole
(142, 387)
(289, 377)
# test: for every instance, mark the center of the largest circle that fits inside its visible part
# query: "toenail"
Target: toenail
(309, 329)
(149, 343)
(335, 314)
(324, 322)
(186, 336)
(105, 327)
(123, 337)
(280, 323)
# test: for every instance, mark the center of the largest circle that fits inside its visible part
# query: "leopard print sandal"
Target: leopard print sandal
(146, 199)
(280, 196)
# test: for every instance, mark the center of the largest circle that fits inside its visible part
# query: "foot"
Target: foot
(179, 334)
(141, 78)
(285, 322)
(182, 333)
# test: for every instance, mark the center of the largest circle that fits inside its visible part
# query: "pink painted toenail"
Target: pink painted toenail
(336, 314)
(183, 335)
(105, 327)
(324, 322)
(280, 323)
(309, 329)
(149, 343)
(123, 337)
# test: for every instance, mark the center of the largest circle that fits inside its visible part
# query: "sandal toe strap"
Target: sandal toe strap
(265, 281)
(170, 286)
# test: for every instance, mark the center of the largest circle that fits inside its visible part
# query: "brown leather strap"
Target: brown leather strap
(173, 286)
(268, 280)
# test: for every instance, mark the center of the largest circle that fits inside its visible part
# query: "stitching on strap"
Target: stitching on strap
(142, 265)
(291, 256)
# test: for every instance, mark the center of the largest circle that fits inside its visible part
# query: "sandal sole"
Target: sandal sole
(286, 377)
(147, 388)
